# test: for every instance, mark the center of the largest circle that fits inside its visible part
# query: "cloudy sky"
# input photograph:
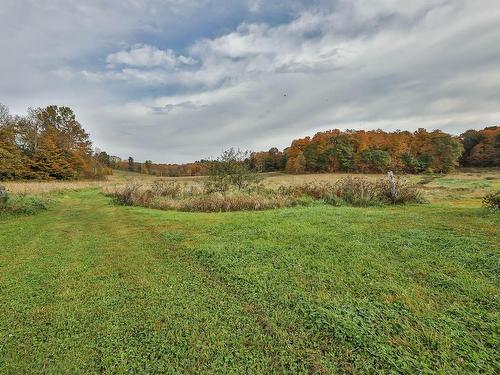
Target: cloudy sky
(178, 80)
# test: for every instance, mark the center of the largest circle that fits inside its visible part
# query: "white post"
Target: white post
(392, 184)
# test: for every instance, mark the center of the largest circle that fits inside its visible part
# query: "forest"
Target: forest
(50, 144)
(378, 151)
(359, 151)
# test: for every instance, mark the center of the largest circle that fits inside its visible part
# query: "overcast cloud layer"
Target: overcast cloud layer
(179, 80)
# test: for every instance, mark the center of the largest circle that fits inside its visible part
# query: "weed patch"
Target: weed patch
(355, 191)
(23, 204)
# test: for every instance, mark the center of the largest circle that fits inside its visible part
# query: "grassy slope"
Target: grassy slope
(88, 286)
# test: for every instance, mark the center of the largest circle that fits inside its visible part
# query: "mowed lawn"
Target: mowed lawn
(91, 287)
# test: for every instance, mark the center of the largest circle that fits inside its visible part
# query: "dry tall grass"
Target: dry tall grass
(356, 191)
(49, 186)
(471, 183)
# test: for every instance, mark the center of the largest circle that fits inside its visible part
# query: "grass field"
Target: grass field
(91, 287)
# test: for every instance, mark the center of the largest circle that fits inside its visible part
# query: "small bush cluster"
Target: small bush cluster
(358, 191)
(492, 201)
(128, 195)
(22, 204)
(405, 192)
(135, 193)
(172, 196)
(168, 189)
(316, 190)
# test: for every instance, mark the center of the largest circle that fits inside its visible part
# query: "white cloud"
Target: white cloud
(345, 63)
(143, 55)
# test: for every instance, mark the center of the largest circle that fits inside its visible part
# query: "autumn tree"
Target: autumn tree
(13, 164)
(481, 148)
(49, 143)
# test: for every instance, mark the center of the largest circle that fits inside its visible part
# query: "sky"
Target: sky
(181, 80)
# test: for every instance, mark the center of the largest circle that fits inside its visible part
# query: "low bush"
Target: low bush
(316, 190)
(162, 188)
(130, 194)
(22, 204)
(492, 201)
(358, 191)
(406, 192)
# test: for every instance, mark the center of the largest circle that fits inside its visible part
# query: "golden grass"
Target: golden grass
(277, 179)
(467, 186)
(119, 178)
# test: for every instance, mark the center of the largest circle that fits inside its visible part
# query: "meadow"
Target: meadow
(88, 286)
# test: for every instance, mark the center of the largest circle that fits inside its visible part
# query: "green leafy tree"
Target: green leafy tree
(230, 170)
(148, 166)
(342, 152)
(104, 159)
(131, 164)
(311, 157)
(446, 151)
(376, 160)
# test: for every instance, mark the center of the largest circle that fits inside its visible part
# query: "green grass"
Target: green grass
(91, 287)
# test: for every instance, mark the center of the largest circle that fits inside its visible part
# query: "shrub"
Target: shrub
(162, 188)
(316, 190)
(230, 170)
(23, 204)
(492, 201)
(359, 191)
(405, 192)
(162, 194)
(130, 194)
(163, 203)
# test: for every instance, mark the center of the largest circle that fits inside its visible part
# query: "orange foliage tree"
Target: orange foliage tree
(481, 148)
(48, 143)
(374, 151)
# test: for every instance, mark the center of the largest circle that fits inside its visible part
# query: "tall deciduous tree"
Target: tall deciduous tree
(47, 143)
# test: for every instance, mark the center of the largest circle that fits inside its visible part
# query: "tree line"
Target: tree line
(378, 151)
(358, 151)
(47, 143)
(198, 168)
